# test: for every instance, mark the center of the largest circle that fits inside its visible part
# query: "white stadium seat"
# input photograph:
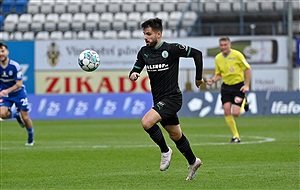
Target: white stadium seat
(42, 35)
(97, 34)
(92, 20)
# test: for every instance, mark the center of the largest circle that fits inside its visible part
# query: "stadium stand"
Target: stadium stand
(181, 17)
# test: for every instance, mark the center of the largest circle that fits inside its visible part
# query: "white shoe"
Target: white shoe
(193, 169)
(29, 143)
(165, 159)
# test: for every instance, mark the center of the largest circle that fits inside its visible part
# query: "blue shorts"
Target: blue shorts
(19, 98)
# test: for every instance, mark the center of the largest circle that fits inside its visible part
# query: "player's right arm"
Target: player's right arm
(137, 68)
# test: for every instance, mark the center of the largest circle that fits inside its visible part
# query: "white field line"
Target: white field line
(64, 146)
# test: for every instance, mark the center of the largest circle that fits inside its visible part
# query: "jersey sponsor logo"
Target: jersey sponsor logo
(157, 67)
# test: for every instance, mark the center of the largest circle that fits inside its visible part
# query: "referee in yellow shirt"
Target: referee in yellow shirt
(232, 67)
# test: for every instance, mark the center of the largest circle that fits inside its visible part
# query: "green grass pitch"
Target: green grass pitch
(118, 154)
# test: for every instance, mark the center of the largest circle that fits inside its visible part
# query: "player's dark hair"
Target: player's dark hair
(154, 23)
(2, 44)
(224, 38)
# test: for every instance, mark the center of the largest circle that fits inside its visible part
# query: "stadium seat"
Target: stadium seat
(60, 7)
(267, 6)
(65, 20)
(33, 7)
(42, 35)
(168, 33)
(114, 6)
(105, 21)
(169, 6)
(74, 6)
(83, 35)
(189, 19)
(147, 15)
(78, 21)
(182, 5)
(1, 21)
(124, 34)
(29, 35)
(7, 6)
(68, 35)
(88, 6)
(110, 34)
(92, 20)
(18, 36)
(20, 6)
(47, 7)
(128, 6)
(4, 35)
(51, 22)
(119, 21)
(279, 5)
(97, 34)
(56, 35)
(174, 19)
(10, 22)
(23, 26)
(180, 33)
(38, 21)
(137, 34)
(141, 6)
(252, 6)
(210, 7)
(237, 6)
(155, 5)
(225, 6)
(133, 20)
(101, 6)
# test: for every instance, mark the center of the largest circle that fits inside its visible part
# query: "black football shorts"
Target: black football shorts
(167, 108)
(232, 93)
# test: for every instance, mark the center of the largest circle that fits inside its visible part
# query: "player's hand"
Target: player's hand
(209, 81)
(199, 82)
(244, 88)
(134, 76)
(3, 93)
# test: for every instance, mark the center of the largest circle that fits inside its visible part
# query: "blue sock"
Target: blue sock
(30, 134)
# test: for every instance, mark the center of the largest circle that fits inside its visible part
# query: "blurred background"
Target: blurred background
(46, 37)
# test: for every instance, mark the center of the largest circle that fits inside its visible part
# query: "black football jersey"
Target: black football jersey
(162, 64)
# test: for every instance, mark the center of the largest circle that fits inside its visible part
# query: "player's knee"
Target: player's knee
(146, 124)
(236, 114)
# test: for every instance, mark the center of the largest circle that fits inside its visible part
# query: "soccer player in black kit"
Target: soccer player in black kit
(162, 63)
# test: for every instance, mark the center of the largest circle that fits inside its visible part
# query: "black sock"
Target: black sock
(157, 136)
(184, 147)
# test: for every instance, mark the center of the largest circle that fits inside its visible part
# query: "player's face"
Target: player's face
(151, 37)
(3, 54)
(225, 46)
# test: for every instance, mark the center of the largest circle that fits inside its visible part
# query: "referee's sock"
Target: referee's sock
(232, 125)
(156, 135)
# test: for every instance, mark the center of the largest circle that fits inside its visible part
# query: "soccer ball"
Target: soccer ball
(89, 60)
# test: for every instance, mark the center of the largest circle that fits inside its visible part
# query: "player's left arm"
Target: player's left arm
(247, 74)
(246, 86)
(187, 51)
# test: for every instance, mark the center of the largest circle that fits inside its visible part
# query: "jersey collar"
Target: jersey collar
(159, 45)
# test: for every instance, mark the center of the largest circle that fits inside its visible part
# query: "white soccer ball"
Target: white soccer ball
(89, 60)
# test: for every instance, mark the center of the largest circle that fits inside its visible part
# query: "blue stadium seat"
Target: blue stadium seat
(1, 21)
(20, 6)
(7, 6)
